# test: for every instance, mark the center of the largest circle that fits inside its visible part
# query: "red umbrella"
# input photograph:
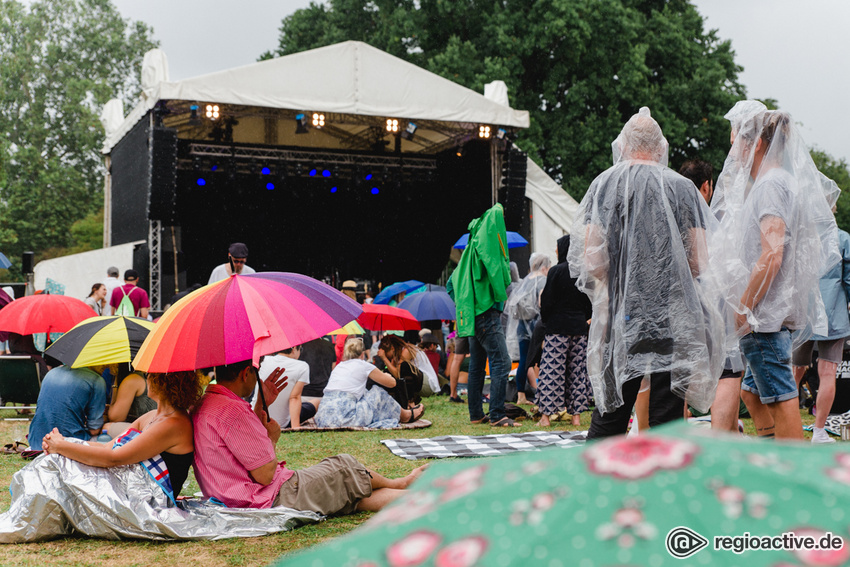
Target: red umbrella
(386, 318)
(43, 313)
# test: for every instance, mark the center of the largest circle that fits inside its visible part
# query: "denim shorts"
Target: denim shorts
(769, 366)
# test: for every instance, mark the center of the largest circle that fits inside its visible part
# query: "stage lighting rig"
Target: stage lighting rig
(408, 132)
(484, 131)
(301, 123)
(318, 120)
(212, 111)
(392, 125)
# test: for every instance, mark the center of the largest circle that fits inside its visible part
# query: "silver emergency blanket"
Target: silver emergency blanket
(55, 496)
(639, 252)
(523, 304)
(778, 235)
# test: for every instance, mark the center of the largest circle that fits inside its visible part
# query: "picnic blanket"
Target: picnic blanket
(483, 445)
(310, 425)
(834, 422)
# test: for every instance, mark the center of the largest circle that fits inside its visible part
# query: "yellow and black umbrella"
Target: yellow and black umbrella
(101, 340)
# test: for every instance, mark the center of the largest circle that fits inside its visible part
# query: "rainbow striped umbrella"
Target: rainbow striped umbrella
(242, 318)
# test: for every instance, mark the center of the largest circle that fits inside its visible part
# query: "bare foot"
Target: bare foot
(414, 474)
(576, 420)
(544, 422)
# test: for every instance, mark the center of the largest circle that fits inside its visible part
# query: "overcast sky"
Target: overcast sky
(795, 51)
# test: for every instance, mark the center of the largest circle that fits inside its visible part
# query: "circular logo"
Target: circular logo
(683, 542)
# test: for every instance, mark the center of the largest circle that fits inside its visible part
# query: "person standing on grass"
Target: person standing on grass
(638, 250)
(835, 291)
(478, 286)
(235, 459)
(137, 296)
(780, 237)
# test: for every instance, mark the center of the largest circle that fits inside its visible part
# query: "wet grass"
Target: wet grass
(300, 450)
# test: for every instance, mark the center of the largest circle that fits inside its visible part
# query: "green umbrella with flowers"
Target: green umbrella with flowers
(665, 498)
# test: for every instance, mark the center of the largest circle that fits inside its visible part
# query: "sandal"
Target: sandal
(15, 448)
(483, 421)
(30, 454)
(413, 415)
(505, 422)
(457, 400)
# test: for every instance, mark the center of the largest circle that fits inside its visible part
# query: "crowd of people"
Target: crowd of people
(669, 292)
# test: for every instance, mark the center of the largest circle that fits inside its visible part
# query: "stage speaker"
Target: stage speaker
(27, 262)
(512, 190)
(162, 203)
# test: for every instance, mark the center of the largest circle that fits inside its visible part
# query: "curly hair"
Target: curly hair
(394, 345)
(180, 389)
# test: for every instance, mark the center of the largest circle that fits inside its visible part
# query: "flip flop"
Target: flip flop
(28, 455)
(15, 448)
(483, 421)
(414, 417)
(505, 422)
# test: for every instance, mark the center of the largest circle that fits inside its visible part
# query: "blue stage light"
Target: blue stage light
(375, 190)
(214, 168)
(313, 172)
(368, 177)
(202, 181)
(334, 189)
(326, 173)
(269, 186)
(265, 171)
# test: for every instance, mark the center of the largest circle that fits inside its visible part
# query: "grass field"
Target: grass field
(298, 449)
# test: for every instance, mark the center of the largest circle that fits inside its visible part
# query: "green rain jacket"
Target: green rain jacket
(483, 274)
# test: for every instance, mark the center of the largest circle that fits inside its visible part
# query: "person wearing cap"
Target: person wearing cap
(138, 296)
(237, 255)
(111, 282)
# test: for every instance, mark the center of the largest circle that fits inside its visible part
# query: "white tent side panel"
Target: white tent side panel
(553, 210)
(78, 272)
(350, 78)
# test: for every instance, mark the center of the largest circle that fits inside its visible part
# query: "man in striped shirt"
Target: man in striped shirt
(235, 458)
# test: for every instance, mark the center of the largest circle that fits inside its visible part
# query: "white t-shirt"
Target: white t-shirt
(220, 273)
(111, 283)
(424, 365)
(350, 376)
(296, 370)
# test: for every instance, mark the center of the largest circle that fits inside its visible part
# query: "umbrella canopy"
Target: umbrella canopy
(4, 262)
(43, 313)
(515, 240)
(101, 340)
(242, 318)
(392, 290)
(430, 305)
(646, 500)
(352, 328)
(386, 318)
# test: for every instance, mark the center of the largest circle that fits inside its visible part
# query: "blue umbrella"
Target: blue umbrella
(4, 261)
(430, 304)
(392, 290)
(514, 241)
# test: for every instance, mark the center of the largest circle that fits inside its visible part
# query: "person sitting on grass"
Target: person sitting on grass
(348, 403)
(400, 359)
(235, 459)
(130, 400)
(164, 431)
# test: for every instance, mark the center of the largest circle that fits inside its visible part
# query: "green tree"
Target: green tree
(580, 67)
(60, 61)
(837, 171)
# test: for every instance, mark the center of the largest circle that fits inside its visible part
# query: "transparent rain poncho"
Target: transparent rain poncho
(639, 252)
(523, 304)
(778, 234)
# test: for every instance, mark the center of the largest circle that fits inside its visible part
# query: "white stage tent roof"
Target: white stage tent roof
(348, 78)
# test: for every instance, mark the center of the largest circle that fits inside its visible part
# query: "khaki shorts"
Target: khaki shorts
(333, 487)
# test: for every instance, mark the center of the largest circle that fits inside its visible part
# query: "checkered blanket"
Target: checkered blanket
(310, 425)
(482, 446)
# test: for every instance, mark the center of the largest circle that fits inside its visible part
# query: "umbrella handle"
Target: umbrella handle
(263, 398)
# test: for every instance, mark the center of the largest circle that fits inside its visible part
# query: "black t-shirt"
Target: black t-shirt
(319, 354)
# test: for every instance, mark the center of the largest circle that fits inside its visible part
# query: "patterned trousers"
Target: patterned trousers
(564, 361)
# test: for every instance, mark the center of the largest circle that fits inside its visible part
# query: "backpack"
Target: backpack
(126, 307)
